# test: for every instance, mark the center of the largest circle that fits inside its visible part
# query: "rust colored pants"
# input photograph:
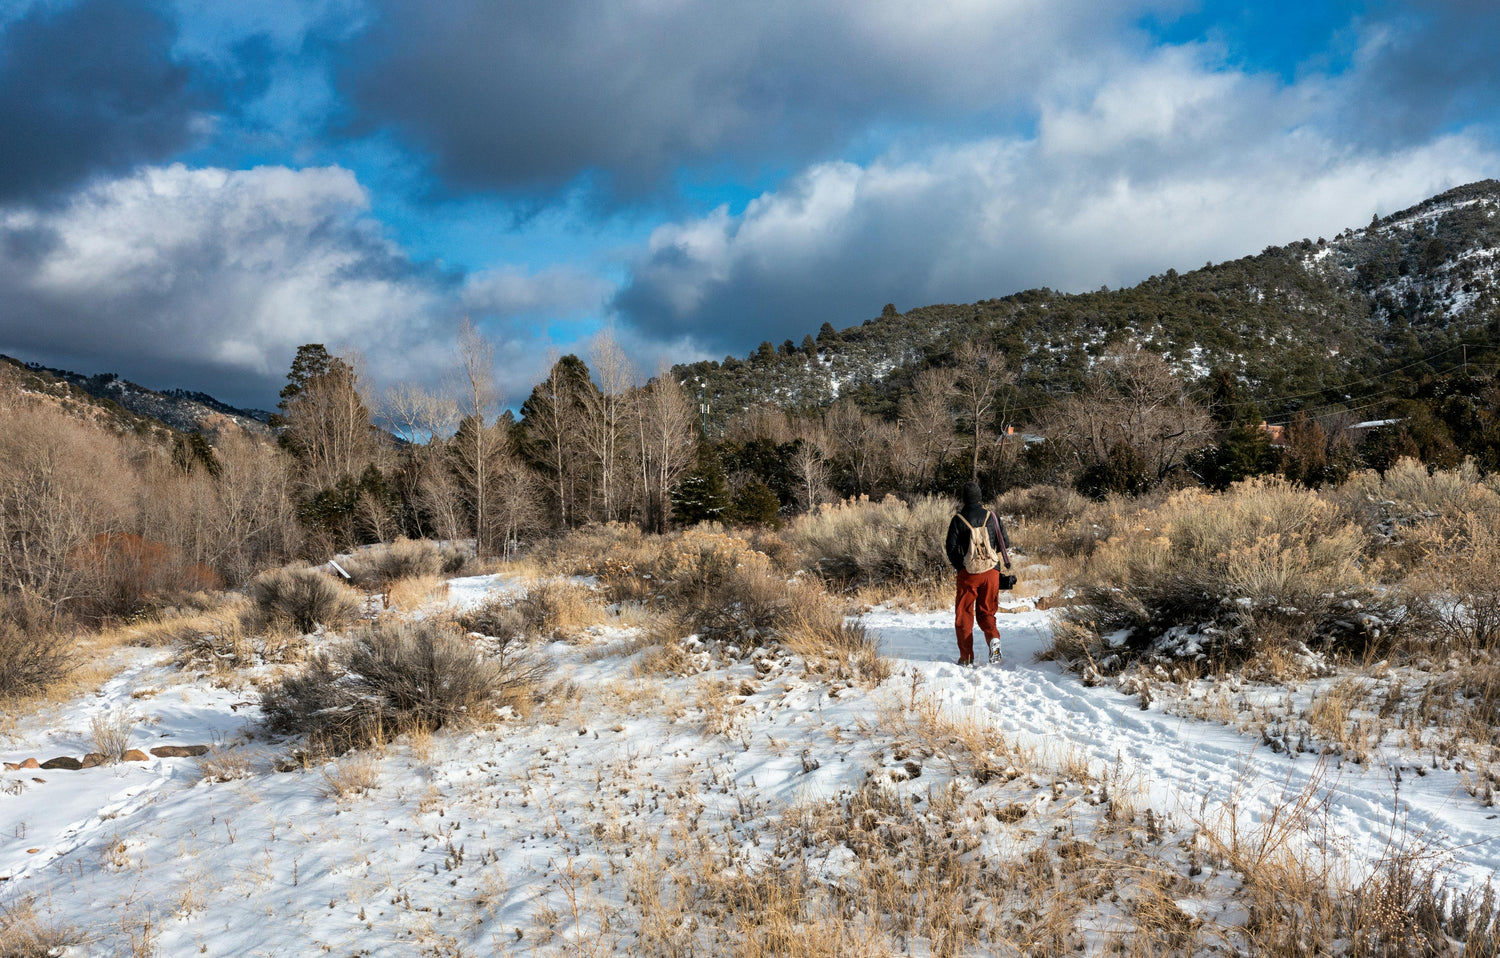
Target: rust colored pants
(977, 594)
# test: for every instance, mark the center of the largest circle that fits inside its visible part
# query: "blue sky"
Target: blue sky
(189, 189)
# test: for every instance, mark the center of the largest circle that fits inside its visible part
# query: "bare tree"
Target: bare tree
(328, 425)
(478, 446)
(809, 465)
(63, 485)
(927, 424)
(1130, 400)
(416, 414)
(664, 436)
(857, 438)
(764, 423)
(981, 376)
(518, 504)
(439, 497)
(604, 422)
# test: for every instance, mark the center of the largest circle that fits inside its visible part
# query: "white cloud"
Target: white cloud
(1172, 161)
(174, 269)
(557, 291)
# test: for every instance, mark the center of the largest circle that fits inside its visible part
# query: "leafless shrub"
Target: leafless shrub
(34, 651)
(391, 678)
(303, 599)
(111, 735)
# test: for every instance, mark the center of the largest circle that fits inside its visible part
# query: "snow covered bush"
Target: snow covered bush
(858, 542)
(389, 679)
(303, 599)
(1221, 577)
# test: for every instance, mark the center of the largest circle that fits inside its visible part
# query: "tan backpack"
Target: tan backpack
(982, 556)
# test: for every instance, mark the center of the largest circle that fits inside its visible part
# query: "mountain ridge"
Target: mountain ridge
(1298, 320)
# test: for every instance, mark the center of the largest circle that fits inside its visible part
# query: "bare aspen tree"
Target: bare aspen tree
(257, 518)
(416, 414)
(477, 446)
(518, 503)
(809, 465)
(981, 376)
(604, 423)
(927, 423)
(664, 436)
(857, 437)
(553, 416)
(438, 494)
(328, 425)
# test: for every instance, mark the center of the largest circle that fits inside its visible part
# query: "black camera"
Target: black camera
(1007, 581)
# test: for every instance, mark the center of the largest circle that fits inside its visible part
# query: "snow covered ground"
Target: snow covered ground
(537, 835)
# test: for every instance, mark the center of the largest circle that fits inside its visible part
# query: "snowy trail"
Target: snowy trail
(1190, 769)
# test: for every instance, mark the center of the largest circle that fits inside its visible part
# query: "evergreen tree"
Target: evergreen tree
(703, 494)
(754, 504)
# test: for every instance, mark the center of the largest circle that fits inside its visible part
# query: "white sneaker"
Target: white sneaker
(993, 646)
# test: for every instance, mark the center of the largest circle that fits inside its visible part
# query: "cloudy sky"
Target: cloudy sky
(189, 189)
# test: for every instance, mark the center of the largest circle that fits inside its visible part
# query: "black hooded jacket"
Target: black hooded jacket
(957, 545)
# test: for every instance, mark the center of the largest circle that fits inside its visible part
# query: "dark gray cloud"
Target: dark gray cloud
(1427, 66)
(528, 96)
(89, 87)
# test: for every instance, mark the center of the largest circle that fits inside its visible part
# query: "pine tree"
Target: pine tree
(703, 494)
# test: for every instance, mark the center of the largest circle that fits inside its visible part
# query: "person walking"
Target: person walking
(976, 545)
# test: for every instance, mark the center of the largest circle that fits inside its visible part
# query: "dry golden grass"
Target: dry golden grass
(412, 593)
(224, 765)
(350, 777)
(25, 933)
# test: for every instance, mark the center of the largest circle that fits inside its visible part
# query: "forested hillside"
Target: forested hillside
(1292, 326)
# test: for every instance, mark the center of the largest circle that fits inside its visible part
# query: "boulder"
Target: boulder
(12, 766)
(71, 764)
(179, 751)
(95, 758)
(31, 763)
(135, 755)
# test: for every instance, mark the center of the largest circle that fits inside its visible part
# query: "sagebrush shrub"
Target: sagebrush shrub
(1218, 576)
(389, 679)
(867, 543)
(303, 599)
(34, 651)
(379, 566)
(547, 608)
